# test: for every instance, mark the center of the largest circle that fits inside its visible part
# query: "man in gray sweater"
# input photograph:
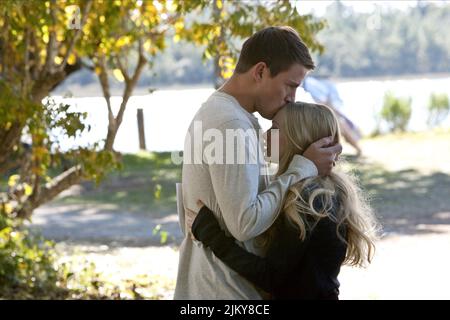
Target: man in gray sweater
(234, 184)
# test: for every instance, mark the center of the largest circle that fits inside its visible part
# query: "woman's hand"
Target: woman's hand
(190, 217)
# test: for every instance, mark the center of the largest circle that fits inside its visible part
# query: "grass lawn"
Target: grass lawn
(146, 184)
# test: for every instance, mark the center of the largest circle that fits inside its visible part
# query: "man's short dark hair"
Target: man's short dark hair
(278, 47)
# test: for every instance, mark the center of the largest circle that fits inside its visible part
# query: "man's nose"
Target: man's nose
(290, 97)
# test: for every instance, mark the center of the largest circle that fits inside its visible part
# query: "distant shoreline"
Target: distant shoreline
(401, 77)
(94, 89)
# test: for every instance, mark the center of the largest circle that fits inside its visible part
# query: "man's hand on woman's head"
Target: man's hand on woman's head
(324, 154)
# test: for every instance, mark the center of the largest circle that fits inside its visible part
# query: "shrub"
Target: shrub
(396, 112)
(32, 268)
(26, 263)
(29, 269)
(438, 109)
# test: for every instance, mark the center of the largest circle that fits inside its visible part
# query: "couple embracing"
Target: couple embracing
(251, 235)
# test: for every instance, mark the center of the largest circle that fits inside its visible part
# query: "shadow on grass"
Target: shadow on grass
(406, 201)
(85, 224)
(146, 184)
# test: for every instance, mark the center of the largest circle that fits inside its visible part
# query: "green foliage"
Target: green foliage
(96, 164)
(31, 268)
(162, 233)
(13, 107)
(26, 263)
(438, 108)
(396, 112)
(46, 124)
(227, 23)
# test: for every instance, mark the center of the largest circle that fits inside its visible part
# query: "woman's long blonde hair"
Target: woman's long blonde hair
(305, 123)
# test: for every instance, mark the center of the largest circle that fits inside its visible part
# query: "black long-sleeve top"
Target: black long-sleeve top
(292, 268)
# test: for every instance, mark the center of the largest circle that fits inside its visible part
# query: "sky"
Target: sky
(318, 7)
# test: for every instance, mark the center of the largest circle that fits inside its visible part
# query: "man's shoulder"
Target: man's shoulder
(221, 112)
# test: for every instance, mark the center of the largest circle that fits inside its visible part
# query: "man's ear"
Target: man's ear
(258, 71)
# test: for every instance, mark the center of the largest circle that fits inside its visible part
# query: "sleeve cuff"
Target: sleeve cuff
(302, 165)
(205, 225)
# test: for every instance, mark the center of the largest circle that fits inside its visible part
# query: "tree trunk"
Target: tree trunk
(62, 182)
(114, 123)
(8, 140)
(218, 79)
(110, 137)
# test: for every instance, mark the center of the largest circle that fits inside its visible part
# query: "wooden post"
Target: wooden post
(140, 119)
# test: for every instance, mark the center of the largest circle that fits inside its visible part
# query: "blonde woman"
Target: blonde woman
(325, 221)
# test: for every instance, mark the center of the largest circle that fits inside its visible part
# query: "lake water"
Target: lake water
(167, 113)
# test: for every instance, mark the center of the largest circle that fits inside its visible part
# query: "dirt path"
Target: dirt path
(103, 224)
(404, 267)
